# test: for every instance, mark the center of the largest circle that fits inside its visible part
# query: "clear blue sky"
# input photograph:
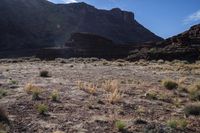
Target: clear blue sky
(163, 17)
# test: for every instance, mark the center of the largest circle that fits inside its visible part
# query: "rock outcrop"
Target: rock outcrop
(185, 46)
(28, 24)
(87, 45)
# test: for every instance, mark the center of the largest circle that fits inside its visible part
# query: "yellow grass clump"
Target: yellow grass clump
(110, 85)
(88, 87)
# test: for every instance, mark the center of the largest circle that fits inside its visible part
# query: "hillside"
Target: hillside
(184, 46)
(39, 23)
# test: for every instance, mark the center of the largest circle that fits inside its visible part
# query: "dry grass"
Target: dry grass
(194, 91)
(30, 88)
(182, 80)
(34, 90)
(87, 87)
(110, 85)
(115, 96)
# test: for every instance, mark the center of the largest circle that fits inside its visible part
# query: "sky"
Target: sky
(165, 18)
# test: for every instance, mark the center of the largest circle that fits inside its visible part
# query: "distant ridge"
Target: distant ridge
(28, 24)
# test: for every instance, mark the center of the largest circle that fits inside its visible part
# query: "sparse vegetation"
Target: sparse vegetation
(110, 85)
(115, 96)
(88, 87)
(120, 125)
(13, 82)
(42, 109)
(192, 109)
(131, 95)
(35, 93)
(177, 123)
(54, 95)
(29, 88)
(194, 91)
(3, 93)
(151, 95)
(44, 74)
(169, 84)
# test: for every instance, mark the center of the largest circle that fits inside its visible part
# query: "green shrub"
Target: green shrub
(192, 109)
(170, 84)
(13, 82)
(3, 93)
(44, 74)
(120, 125)
(42, 109)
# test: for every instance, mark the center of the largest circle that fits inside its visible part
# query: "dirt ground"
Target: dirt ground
(78, 111)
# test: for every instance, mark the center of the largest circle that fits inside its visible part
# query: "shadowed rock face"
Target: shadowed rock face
(39, 23)
(188, 38)
(86, 45)
(185, 46)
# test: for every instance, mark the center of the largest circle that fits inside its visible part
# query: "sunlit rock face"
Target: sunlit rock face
(26, 24)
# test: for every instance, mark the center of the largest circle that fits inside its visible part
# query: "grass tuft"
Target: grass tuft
(54, 95)
(192, 109)
(42, 109)
(170, 84)
(3, 93)
(177, 123)
(44, 74)
(194, 91)
(120, 125)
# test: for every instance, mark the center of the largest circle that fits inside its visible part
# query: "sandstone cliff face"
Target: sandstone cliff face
(39, 23)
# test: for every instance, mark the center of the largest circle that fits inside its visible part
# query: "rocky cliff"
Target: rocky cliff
(184, 46)
(27, 24)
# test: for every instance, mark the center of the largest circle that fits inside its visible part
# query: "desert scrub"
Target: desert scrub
(169, 84)
(54, 95)
(81, 85)
(120, 125)
(177, 123)
(42, 109)
(3, 93)
(192, 109)
(44, 73)
(194, 91)
(29, 87)
(115, 96)
(13, 82)
(151, 95)
(110, 85)
(91, 88)
(87, 87)
(35, 93)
